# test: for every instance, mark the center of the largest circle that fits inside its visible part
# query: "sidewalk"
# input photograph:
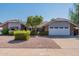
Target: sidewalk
(38, 52)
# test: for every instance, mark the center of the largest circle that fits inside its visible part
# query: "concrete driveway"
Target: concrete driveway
(67, 43)
(69, 46)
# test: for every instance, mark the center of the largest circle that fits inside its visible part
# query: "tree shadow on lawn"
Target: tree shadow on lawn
(16, 41)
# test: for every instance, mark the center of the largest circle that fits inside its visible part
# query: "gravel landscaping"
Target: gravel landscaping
(34, 42)
(39, 46)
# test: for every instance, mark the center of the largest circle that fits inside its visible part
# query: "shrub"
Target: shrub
(5, 31)
(22, 34)
(43, 33)
(33, 32)
(11, 32)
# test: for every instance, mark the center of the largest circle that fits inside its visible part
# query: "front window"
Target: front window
(51, 27)
(56, 27)
(66, 27)
(61, 27)
(13, 28)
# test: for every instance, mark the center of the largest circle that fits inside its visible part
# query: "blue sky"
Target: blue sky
(10, 11)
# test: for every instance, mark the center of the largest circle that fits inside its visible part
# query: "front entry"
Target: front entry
(75, 32)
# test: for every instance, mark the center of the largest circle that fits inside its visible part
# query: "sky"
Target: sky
(21, 11)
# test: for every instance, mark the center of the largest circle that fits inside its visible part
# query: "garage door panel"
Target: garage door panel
(59, 32)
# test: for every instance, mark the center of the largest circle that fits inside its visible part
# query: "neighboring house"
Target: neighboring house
(61, 26)
(1, 28)
(13, 24)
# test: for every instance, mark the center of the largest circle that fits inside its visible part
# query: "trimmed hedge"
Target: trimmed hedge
(22, 34)
(33, 32)
(43, 33)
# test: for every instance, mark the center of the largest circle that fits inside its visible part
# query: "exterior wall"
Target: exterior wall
(14, 24)
(72, 29)
(59, 31)
(23, 27)
(45, 28)
(5, 25)
(1, 30)
(78, 31)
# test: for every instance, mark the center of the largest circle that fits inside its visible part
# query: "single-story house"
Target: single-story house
(58, 26)
(61, 26)
(13, 24)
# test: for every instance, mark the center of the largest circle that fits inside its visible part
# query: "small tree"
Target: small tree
(34, 21)
(30, 21)
(37, 20)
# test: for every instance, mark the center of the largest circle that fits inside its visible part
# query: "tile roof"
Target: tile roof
(59, 19)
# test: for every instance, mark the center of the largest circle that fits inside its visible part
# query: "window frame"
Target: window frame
(56, 27)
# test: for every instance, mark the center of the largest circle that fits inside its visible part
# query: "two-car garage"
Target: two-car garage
(59, 28)
(59, 31)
